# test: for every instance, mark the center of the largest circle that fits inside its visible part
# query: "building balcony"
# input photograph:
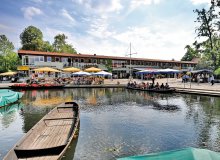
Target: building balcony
(58, 65)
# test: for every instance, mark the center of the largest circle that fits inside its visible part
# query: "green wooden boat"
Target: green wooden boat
(8, 97)
(182, 154)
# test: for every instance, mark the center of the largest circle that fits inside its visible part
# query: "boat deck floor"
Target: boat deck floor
(54, 132)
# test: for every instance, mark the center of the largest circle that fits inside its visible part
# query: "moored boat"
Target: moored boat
(50, 137)
(25, 86)
(8, 97)
(181, 154)
(164, 90)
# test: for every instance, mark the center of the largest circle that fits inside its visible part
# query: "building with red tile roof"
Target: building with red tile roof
(118, 65)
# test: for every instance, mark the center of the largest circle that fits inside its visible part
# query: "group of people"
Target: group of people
(204, 78)
(147, 85)
(68, 80)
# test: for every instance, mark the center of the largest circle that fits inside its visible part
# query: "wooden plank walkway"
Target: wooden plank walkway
(198, 92)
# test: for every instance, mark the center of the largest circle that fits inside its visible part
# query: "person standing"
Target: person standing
(198, 79)
(212, 80)
(153, 78)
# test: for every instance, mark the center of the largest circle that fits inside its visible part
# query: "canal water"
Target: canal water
(118, 122)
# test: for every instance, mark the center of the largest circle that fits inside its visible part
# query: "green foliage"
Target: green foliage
(8, 58)
(31, 38)
(205, 63)
(217, 71)
(190, 54)
(208, 27)
(60, 44)
(5, 45)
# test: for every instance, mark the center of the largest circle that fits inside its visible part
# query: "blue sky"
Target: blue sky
(158, 29)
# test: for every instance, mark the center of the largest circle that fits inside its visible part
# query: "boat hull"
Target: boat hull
(50, 137)
(180, 154)
(8, 97)
(36, 87)
(170, 90)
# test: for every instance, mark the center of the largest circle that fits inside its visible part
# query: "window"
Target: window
(31, 60)
(25, 60)
(36, 59)
(41, 58)
(57, 59)
(64, 59)
(49, 59)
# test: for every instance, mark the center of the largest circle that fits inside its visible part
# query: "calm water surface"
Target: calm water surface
(119, 122)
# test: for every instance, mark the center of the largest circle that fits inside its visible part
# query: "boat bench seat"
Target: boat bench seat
(26, 153)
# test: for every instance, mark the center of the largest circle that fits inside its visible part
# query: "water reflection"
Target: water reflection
(120, 122)
(8, 113)
(204, 112)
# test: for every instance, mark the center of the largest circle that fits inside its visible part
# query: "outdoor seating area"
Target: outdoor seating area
(46, 76)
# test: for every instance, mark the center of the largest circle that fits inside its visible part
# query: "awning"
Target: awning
(23, 68)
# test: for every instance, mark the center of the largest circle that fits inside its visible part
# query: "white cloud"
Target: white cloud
(136, 3)
(99, 28)
(66, 14)
(197, 2)
(2, 26)
(29, 12)
(37, 1)
(162, 40)
(50, 33)
(101, 6)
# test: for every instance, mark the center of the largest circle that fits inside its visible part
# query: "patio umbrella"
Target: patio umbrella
(81, 73)
(168, 71)
(46, 69)
(103, 73)
(8, 73)
(148, 71)
(93, 69)
(71, 69)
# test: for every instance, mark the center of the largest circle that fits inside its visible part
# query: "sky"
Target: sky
(156, 29)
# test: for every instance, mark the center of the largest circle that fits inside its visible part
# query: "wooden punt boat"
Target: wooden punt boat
(50, 137)
(36, 86)
(168, 90)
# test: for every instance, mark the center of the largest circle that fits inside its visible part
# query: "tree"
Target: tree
(47, 47)
(8, 58)
(208, 28)
(190, 54)
(5, 45)
(31, 38)
(60, 44)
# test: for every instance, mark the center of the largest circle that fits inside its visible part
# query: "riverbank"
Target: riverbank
(191, 88)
